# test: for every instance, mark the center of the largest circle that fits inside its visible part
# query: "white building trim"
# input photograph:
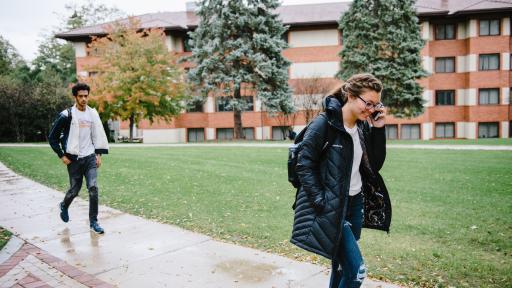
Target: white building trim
(462, 64)
(473, 28)
(505, 24)
(472, 61)
(505, 61)
(314, 69)
(505, 96)
(429, 99)
(505, 128)
(210, 133)
(209, 105)
(174, 135)
(263, 133)
(426, 130)
(80, 49)
(426, 31)
(313, 38)
(428, 64)
(169, 42)
(257, 104)
(466, 130)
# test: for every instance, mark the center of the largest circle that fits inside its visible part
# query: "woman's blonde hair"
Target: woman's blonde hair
(355, 85)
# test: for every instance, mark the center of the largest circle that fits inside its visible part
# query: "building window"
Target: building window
(445, 97)
(489, 27)
(284, 37)
(223, 103)
(489, 61)
(186, 43)
(249, 133)
(410, 131)
(488, 130)
(445, 65)
(249, 103)
(224, 134)
(445, 130)
(489, 96)
(195, 105)
(279, 132)
(445, 31)
(195, 134)
(392, 132)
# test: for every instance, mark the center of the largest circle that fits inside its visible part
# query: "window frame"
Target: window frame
(437, 92)
(196, 130)
(407, 125)
(224, 129)
(395, 126)
(480, 62)
(480, 124)
(437, 36)
(490, 20)
(444, 130)
(444, 64)
(489, 98)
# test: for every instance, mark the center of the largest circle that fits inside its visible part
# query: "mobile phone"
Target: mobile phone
(376, 115)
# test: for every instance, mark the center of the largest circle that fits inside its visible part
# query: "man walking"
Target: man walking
(78, 138)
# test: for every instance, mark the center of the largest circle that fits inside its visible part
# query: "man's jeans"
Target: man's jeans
(85, 166)
(348, 270)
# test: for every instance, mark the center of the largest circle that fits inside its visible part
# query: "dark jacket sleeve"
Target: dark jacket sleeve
(309, 159)
(55, 133)
(377, 151)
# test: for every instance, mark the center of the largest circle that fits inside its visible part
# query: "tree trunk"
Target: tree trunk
(237, 117)
(132, 120)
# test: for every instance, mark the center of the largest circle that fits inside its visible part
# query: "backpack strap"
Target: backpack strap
(69, 114)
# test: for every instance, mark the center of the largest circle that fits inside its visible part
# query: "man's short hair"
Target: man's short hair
(78, 87)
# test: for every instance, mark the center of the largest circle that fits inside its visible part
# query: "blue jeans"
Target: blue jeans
(348, 269)
(77, 169)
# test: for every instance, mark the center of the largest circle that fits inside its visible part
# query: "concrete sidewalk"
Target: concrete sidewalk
(134, 252)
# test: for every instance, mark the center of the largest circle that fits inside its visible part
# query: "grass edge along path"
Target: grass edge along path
(451, 223)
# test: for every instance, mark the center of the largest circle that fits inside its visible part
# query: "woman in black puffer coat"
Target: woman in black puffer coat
(341, 189)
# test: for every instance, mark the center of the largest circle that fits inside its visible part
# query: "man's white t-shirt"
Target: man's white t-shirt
(85, 133)
(355, 179)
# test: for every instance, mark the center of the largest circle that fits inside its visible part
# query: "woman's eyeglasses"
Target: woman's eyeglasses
(369, 105)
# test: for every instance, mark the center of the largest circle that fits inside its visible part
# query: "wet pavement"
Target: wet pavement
(134, 252)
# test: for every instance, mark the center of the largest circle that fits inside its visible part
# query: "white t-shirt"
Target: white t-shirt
(85, 133)
(355, 179)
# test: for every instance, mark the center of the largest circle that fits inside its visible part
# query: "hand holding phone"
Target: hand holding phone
(376, 115)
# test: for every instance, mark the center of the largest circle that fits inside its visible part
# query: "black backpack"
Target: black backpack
(293, 154)
(68, 124)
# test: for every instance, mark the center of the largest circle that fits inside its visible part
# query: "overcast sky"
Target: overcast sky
(23, 22)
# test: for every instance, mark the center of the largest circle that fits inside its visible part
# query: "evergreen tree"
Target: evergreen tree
(239, 43)
(382, 37)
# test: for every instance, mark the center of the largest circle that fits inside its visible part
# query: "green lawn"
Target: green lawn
(490, 141)
(451, 219)
(4, 237)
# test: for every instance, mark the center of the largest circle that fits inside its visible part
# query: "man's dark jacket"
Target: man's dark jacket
(324, 170)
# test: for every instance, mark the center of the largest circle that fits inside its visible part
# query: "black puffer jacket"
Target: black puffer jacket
(325, 179)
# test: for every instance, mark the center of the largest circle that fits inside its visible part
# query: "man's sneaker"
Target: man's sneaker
(63, 212)
(96, 228)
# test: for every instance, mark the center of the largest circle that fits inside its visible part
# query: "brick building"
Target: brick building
(467, 56)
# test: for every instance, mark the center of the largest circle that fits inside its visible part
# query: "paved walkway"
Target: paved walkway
(287, 144)
(134, 252)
